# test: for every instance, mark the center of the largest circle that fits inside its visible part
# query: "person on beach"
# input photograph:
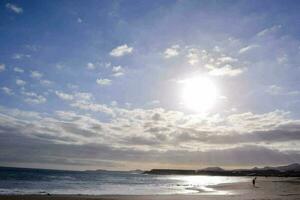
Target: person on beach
(253, 182)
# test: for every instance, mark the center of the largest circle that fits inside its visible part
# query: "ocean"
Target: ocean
(40, 181)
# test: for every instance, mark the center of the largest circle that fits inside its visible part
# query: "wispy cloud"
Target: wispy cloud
(64, 96)
(20, 82)
(33, 98)
(90, 66)
(248, 48)
(79, 20)
(217, 63)
(18, 70)
(36, 74)
(269, 30)
(278, 90)
(121, 51)
(2, 67)
(7, 90)
(13, 7)
(19, 56)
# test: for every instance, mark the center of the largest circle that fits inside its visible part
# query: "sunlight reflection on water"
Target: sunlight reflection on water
(204, 184)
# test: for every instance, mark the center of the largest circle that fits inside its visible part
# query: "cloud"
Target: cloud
(172, 51)
(152, 138)
(20, 82)
(217, 63)
(83, 96)
(33, 98)
(18, 70)
(7, 90)
(19, 56)
(278, 90)
(153, 103)
(88, 106)
(16, 9)
(103, 82)
(36, 74)
(227, 70)
(193, 56)
(90, 66)
(64, 96)
(46, 82)
(269, 30)
(282, 59)
(248, 48)
(121, 51)
(118, 71)
(79, 20)
(2, 67)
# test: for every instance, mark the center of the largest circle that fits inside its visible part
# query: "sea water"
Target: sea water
(37, 181)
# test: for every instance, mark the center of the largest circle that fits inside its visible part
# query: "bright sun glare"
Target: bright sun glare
(199, 93)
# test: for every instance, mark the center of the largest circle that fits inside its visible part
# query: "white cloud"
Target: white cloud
(172, 51)
(217, 63)
(114, 103)
(59, 66)
(227, 70)
(269, 30)
(84, 96)
(153, 103)
(72, 86)
(103, 82)
(282, 59)
(14, 8)
(20, 82)
(137, 135)
(118, 71)
(193, 56)
(278, 90)
(46, 82)
(7, 90)
(19, 56)
(33, 98)
(36, 74)
(90, 66)
(2, 67)
(227, 59)
(248, 48)
(121, 51)
(19, 70)
(64, 96)
(83, 105)
(274, 90)
(79, 20)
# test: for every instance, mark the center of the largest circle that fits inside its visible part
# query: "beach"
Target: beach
(266, 188)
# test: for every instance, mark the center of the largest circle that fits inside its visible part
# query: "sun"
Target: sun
(199, 94)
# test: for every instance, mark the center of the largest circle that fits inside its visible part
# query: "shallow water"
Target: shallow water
(29, 181)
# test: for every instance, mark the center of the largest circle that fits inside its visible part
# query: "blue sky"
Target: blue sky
(107, 76)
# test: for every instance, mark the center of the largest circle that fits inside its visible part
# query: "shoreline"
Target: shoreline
(266, 188)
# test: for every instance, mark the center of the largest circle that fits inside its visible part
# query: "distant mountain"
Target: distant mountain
(292, 170)
(291, 167)
(137, 171)
(212, 169)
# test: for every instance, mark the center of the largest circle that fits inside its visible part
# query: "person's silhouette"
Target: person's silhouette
(253, 182)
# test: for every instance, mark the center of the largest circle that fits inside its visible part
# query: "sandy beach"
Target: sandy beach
(266, 188)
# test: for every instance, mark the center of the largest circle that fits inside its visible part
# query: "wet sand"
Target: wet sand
(266, 188)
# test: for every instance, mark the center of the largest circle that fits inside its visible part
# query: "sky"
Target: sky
(103, 84)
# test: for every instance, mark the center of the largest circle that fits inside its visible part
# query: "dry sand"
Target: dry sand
(267, 188)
